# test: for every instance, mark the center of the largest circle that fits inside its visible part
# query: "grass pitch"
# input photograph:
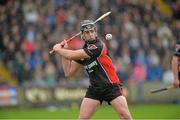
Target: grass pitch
(152, 111)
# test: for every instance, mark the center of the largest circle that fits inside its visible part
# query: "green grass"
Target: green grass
(152, 111)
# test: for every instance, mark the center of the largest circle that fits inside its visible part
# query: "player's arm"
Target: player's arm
(70, 67)
(73, 54)
(61, 49)
(175, 69)
(175, 65)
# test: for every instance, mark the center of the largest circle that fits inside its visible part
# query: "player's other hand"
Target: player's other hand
(177, 83)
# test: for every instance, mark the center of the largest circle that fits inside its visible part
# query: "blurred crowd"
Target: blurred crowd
(141, 48)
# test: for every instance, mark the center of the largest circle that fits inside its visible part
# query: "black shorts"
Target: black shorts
(105, 93)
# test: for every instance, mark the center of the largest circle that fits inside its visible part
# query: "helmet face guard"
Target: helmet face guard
(87, 25)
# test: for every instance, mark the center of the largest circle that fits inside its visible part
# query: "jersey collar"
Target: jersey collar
(91, 41)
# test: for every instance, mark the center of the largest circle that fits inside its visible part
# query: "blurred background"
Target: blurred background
(144, 35)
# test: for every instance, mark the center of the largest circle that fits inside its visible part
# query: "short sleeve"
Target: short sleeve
(94, 50)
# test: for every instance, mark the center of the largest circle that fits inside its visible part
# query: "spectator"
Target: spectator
(29, 28)
(154, 70)
(50, 77)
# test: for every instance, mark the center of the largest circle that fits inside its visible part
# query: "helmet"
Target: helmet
(87, 25)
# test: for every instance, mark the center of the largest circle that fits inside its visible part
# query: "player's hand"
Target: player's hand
(60, 45)
(64, 44)
(177, 83)
(57, 46)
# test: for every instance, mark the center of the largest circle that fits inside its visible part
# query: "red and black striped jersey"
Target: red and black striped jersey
(99, 66)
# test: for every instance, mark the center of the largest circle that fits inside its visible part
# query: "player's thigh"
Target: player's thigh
(88, 107)
(120, 104)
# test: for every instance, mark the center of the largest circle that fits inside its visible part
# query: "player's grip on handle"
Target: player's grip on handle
(62, 44)
(68, 40)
